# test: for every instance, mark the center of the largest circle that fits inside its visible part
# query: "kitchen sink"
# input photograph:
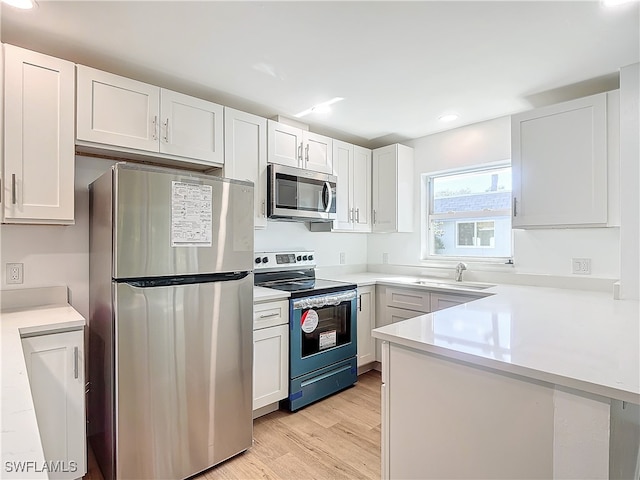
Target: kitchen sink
(453, 284)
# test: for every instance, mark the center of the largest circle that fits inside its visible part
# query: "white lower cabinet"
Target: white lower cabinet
(55, 366)
(270, 355)
(366, 319)
(440, 301)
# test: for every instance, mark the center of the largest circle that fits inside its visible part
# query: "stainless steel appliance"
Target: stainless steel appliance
(298, 194)
(322, 326)
(171, 301)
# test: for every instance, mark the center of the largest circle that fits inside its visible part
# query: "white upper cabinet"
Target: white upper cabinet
(120, 113)
(352, 165)
(191, 127)
(284, 144)
(39, 151)
(245, 146)
(318, 154)
(392, 198)
(559, 164)
(292, 146)
(117, 111)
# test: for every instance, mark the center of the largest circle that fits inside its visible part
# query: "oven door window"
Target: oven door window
(325, 328)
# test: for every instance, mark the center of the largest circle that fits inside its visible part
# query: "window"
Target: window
(468, 214)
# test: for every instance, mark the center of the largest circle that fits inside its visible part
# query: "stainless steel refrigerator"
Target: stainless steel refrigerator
(171, 301)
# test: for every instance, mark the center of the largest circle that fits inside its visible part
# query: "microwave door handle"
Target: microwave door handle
(327, 196)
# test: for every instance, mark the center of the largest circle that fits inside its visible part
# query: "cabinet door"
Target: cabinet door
(118, 111)
(191, 127)
(366, 319)
(559, 164)
(418, 300)
(284, 145)
(245, 147)
(400, 314)
(440, 301)
(343, 165)
(318, 152)
(361, 189)
(55, 366)
(270, 365)
(385, 189)
(39, 149)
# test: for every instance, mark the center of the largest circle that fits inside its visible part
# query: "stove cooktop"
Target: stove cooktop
(309, 287)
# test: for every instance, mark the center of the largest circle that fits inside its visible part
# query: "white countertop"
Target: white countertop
(262, 294)
(579, 339)
(20, 434)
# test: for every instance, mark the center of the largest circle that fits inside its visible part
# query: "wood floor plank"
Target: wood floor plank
(335, 438)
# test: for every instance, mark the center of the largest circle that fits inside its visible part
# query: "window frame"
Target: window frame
(427, 217)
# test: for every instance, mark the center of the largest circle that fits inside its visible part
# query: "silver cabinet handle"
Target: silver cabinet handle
(374, 216)
(13, 188)
(357, 215)
(154, 123)
(269, 315)
(264, 208)
(306, 154)
(515, 207)
(300, 152)
(75, 362)
(350, 215)
(166, 131)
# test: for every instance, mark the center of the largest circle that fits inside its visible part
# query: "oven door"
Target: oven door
(297, 193)
(322, 331)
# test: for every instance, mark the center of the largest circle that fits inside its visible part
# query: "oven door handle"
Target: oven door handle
(327, 196)
(318, 302)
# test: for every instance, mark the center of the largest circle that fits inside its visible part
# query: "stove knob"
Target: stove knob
(304, 258)
(299, 258)
(265, 259)
(258, 260)
(310, 257)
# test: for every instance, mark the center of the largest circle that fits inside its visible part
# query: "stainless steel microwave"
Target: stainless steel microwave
(298, 194)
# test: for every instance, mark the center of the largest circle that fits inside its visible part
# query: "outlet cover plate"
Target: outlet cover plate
(14, 273)
(581, 266)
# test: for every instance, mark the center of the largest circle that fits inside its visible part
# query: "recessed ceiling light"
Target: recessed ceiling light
(616, 3)
(448, 117)
(324, 107)
(23, 4)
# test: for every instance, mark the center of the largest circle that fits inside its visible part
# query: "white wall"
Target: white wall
(56, 255)
(327, 245)
(543, 251)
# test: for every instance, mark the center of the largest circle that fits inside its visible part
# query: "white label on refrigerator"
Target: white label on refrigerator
(191, 214)
(328, 339)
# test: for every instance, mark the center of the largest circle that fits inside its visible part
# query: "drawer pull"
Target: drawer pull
(75, 362)
(269, 315)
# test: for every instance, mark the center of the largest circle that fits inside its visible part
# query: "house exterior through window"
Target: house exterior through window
(469, 214)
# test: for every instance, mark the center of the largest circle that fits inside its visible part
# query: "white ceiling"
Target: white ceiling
(399, 65)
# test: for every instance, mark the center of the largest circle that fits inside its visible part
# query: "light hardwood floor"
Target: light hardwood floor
(335, 438)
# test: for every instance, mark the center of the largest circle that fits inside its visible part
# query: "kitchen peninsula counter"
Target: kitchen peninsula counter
(539, 375)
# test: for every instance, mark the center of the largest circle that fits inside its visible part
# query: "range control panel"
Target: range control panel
(283, 260)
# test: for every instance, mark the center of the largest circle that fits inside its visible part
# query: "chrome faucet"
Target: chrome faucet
(461, 267)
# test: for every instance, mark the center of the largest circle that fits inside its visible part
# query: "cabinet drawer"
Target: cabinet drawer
(399, 314)
(269, 314)
(440, 301)
(417, 300)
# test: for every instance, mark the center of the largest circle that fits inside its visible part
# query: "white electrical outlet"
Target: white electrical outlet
(14, 272)
(385, 258)
(343, 257)
(581, 266)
